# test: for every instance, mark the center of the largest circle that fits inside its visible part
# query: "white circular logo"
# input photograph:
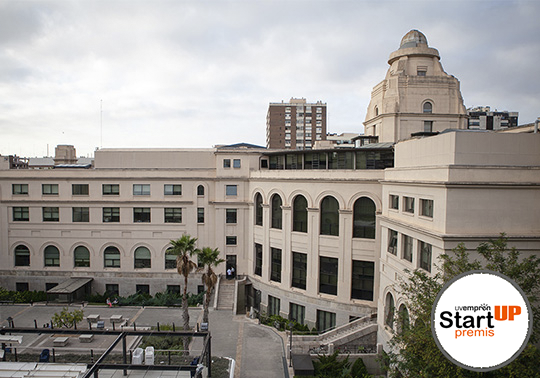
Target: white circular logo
(481, 320)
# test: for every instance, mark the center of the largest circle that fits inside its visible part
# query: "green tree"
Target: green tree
(329, 366)
(209, 259)
(184, 249)
(413, 349)
(67, 318)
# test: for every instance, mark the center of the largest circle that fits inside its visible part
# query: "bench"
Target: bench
(86, 338)
(60, 341)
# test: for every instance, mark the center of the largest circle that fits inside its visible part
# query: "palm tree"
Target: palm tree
(184, 248)
(209, 258)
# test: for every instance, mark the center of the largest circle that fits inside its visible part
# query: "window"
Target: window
(389, 310)
(404, 320)
(258, 210)
(51, 214)
(170, 259)
(49, 189)
(425, 256)
(299, 270)
(173, 215)
(22, 256)
(394, 202)
(428, 107)
(81, 214)
(376, 111)
(407, 248)
(112, 257)
(21, 286)
(428, 126)
(231, 190)
(325, 320)
(275, 274)
(258, 259)
(329, 216)
(276, 211)
(143, 258)
(421, 71)
(297, 313)
(200, 190)
(364, 218)
(79, 189)
(173, 289)
(408, 205)
(230, 240)
(230, 215)
(200, 215)
(50, 285)
(141, 215)
(426, 208)
(52, 256)
(328, 275)
(363, 275)
(172, 189)
(21, 214)
(274, 305)
(19, 188)
(392, 241)
(236, 163)
(81, 257)
(226, 163)
(111, 189)
(141, 189)
(300, 216)
(111, 214)
(112, 289)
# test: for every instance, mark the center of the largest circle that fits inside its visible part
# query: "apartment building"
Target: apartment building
(483, 118)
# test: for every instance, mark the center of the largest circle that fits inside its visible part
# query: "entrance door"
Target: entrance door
(231, 266)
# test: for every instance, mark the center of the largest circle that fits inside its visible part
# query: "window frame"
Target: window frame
(392, 241)
(112, 259)
(21, 214)
(80, 214)
(231, 240)
(276, 264)
(78, 261)
(51, 214)
(363, 283)
(258, 252)
(142, 215)
(425, 251)
(226, 163)
(299, 270)
(328, 275)
(141, 189)
(394, 202)
(200, 215)
(407, 248)
(144, 262)
(364, 211)
(328, 213)
(258, 209)
(172, 215)
(237, 163)
(51, 253)
(80, 189)
(408, 204)
(113, 216)
(110, 189)
(231, 190)
(22, 257)
(231, 216)
(426, 211)
(49, 189)
(172, 189)
(300, 214)
(22, 189)
(276, 210)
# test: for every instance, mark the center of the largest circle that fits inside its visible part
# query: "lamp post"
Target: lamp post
(290, 344)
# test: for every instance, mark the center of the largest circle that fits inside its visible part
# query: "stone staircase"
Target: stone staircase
(225, 300)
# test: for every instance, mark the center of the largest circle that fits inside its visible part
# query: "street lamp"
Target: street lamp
(290, 345)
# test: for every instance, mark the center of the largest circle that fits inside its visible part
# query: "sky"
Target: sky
(183, 74)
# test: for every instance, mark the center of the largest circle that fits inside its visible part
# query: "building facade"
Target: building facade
(482, 118)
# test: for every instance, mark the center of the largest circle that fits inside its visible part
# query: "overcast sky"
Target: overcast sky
(201, 73)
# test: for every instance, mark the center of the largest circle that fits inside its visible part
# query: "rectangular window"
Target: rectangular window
(276, 265)
(81, 214)
(394, 202)
(79, 189)
(230, 240)
(111, 214)
(111, 189)
(173, 189)
(392, 241)
(421, 72)
(230, 215)
(408, 205)
(363, 275)
(142, 289)
(299, 270)
(170, 260)
(297, 313)
(173, 289)
(407, 248)
(21, 214)
(112, 289)
(325, 320)
(231, 190)
(425, 256)
(49, 189)
(236, 163)
(50, 285)
(21, 286)
(19, 188)
(173, 215)
(51, 214)
(226, 163)
(328, 275)
(426, 208)
(141, 189)
(274, 305)
(258, 259)
(200, 215)
(141, 215)
(428, 126)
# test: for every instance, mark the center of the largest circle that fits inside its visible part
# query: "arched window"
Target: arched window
(52, 256)
(364, 218)
(404, 320)
(376, 111)
(81, 257)
(329, 216)
(277, 214)
(428, 107)
(200, 190)
(112, 257)
(258, 210)
(170, 259)
(22, 256)
(300, 214)
(389, 310)
(142, 258)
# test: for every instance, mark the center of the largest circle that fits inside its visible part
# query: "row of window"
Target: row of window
(364, 213)
(363, 273)
(111, 256)
(427, 107)
(364, 159)
(325, 320)
(235, 163)
(408, 205)
(407, 249)
(107, 189)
